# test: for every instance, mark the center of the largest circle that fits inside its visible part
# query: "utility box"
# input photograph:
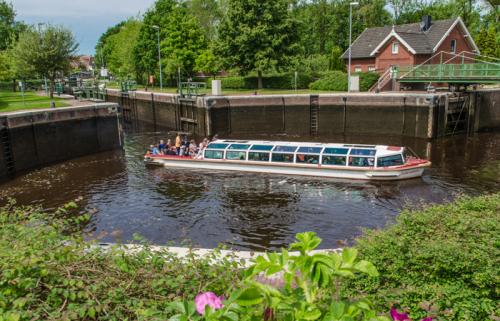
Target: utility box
(216, 88)
(354, 83)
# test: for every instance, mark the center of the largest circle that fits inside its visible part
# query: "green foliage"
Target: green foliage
(257, 36)
(488, 42)
(309, 290)
(337, 81)
(102, 50)
(45, 52)
(119, 47)
(208, 63)
(312, 64)
(335, 61)
(443, 259)
(47, 272)
(7, 16)
(278, 81)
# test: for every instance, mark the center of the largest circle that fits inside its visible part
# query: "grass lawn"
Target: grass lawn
(13, 101)
(173, 90)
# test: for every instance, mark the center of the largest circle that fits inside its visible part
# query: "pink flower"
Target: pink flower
(396, 316)
(427, 319)
(210, 299)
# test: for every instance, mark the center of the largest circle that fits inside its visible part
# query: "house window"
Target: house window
(371, 68)
(453, 46)
(357, 69)
(395, 48)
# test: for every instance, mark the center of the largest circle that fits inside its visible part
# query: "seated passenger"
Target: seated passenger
(172, 151)
(169, 143)
(192, 148)
(162, 146)
(154, 150)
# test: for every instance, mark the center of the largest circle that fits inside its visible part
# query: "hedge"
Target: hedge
(337, 81)
(279, 81)
(443, 260)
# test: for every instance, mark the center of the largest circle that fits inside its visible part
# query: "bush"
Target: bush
(332, 81)
(49, 273)
(337, 81)
(443, 259)
(281, 81)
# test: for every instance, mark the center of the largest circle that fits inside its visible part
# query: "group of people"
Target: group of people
(182, 146)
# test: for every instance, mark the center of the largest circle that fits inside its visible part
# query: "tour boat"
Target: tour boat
(351, 161)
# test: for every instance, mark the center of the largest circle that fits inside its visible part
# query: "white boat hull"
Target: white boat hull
(385, 174)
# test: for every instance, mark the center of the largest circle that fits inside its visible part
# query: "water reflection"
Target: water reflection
(251, 211)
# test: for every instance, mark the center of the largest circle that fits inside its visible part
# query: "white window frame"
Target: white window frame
(395, 48)
(453, 46)
(358, 69)
(371, 68)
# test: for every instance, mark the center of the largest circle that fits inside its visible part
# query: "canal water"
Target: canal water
(250, 211)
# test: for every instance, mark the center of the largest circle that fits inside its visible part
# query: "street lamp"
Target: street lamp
(352, 4)
(157, 28)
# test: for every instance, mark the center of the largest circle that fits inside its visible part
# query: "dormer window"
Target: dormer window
(453, 48)
(395, 48)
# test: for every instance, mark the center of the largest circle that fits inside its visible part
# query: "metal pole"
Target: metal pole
(159, 59)
(351, 4)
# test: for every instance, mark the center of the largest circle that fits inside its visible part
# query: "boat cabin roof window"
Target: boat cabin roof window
(310, 150)
(217, 145)
(239, 146)
(393, 160)
(262, 147)
(337, 151)
(285, 149)
(258, 157)
(334, 160)
(363, 152)
(282, 158)
(214, 154)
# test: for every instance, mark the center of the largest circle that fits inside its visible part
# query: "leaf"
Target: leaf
(366, 267)
(337, 309)
(249, 297)
(349, 255)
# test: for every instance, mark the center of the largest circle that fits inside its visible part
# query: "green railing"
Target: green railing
(450, 73)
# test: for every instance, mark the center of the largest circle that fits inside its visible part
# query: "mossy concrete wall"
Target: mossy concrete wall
(37, 138)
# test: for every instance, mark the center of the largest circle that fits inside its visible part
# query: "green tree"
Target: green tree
(7, 24)
(335, 60)
(257, 35)
(102, 51)
(209, 13)
(487, 41)
(208, 63)
(46, 52)
(119, 49)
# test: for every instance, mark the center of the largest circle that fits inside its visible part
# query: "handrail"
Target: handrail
(381, 79)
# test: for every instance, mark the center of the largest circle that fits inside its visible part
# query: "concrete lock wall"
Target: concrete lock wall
(37, 138)
(421, 115)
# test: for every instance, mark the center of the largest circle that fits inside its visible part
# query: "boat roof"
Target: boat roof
(381, 150)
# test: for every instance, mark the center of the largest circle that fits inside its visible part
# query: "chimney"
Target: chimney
(426, 23)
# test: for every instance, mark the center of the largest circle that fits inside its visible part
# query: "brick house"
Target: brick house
(377, 49)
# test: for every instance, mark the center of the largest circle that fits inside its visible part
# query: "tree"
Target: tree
(208, 63)
(7, 24)
(257, 35)
(209, 13)
(336, 62)
(102, 50)
(46, 51)
(119, 48)
(487, 42)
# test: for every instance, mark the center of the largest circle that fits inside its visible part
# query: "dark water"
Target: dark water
(250, 211)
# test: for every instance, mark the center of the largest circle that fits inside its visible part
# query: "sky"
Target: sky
(88, 19)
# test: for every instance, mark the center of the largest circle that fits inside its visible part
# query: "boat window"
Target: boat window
(214, 154)
(258, 157)
(286, 149)
(307, 159)
(363, 152)
(262, 147)
(393, 160)
(282, 158)
(239, 146)
(361, 161)
(310, 150)
(231, 155)
(217, 146)
(339, 151)
(334, 160)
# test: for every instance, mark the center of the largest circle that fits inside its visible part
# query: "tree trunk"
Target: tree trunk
(13, 85)
(51, 87)
(259, 80)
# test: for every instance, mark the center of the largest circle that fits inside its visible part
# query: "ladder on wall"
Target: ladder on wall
(314, 113)
(5, 143)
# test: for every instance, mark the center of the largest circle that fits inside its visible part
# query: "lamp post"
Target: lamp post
(352, 4)
(157, 28)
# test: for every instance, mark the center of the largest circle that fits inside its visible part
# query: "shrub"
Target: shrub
(279, 81)
(443, 259)
(49, 273)
(367, 80)
(332, 81)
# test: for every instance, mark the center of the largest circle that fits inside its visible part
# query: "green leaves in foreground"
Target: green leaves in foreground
(307, 287)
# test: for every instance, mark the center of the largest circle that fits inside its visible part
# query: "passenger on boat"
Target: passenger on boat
(178, 143)
(172, 151)
(162, 146)
(169, 143)
(193, 150)
(202, 147)
(154, 150)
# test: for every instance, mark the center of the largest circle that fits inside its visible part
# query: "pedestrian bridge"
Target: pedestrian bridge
(472, 69)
